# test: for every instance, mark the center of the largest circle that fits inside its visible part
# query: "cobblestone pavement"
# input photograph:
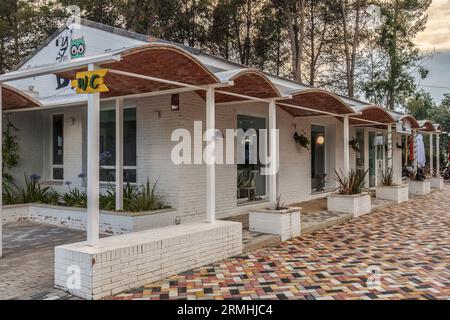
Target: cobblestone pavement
(398, 252)
(26, 271)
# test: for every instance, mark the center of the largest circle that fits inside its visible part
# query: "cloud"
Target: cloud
(436, 34)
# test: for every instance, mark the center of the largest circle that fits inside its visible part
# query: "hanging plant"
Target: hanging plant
(354, 143)
(302, 140)
(10, 150)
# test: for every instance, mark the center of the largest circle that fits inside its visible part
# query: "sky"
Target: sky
(436, 37)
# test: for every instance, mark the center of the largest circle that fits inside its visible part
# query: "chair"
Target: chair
(248, 183)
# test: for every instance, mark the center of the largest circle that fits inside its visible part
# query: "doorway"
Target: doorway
(251, 185)
(318, 166)
(377, 157)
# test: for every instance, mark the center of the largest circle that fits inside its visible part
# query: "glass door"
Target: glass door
(376, 157)
(317, 158)
(251, 185)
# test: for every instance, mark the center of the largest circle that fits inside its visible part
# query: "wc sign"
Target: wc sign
(90, 81)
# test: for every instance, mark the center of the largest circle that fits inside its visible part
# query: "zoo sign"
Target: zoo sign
(90, 81)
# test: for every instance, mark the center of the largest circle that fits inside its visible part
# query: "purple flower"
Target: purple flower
(81, 175)
(68, 183)
(35, 177)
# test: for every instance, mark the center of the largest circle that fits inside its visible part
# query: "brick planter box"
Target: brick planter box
(419, 188)
(398, 194)
(285, 223)
(123, 262)
(437, 183)
(357, 204)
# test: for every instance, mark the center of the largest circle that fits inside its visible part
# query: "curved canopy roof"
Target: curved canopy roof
(427, 125)
(314, 99)
(372, 113)
(248, 82)
(163, 61)
(13, 99)
(414, 123)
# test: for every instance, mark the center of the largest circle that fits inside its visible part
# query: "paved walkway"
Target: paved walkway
(398, 252)
(26, 271)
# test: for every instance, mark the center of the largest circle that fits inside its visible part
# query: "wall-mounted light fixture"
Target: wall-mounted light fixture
(175, 102)
(320, 140)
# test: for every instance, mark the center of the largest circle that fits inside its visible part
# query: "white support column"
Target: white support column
(210, 165)
(1, 172)
(119, 154)
(438, 158)
(346, 147)
(389, 155)
(431, 155)
(414, 150)
(93, 137)
(274, 149)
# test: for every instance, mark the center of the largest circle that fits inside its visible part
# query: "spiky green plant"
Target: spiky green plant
(387, 178)
(351, 184)
(75, 198)
(32, 191)
(107, 201)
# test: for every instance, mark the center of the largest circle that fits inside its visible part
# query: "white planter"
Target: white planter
(357, 204)
(419, 188)
(285, 223)
(437, 183)
(398, 194)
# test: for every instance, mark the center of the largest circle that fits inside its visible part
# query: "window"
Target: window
(57, 169)
(108, 145)
(251, 185)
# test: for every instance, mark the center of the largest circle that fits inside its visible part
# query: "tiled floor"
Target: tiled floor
(398, 252)
(26, 271)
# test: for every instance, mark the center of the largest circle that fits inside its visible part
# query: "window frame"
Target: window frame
(52, 131)
(113, 167)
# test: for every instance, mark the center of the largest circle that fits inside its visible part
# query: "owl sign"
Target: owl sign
(77, 48)
(90, 81)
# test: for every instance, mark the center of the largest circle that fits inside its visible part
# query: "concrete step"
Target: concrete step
(256, 240)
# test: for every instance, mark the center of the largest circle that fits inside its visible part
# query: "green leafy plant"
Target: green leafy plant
(9, 196)
(32, 191)
(142, 198)
(302, 140)
(387, 178)
(353, 183)
(53, 197)
(10, 150)
(107, 201)
(75, 198)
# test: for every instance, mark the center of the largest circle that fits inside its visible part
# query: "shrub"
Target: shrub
(75, 198)
(107, 201)
(387, 178)
(32, 192)
(142, 198)
(351, 184)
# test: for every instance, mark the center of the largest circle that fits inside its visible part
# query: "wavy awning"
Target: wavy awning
(427, 126)
(247, 82)
(374, 114)
(162, 61)
(14, 99)
(314, 102)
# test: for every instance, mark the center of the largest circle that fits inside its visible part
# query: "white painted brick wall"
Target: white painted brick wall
(123, 262)
(419, 188)
(355, 204)
(398, 194)
(287, 225)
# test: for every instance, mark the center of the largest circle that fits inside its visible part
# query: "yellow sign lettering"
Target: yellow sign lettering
(90, 81)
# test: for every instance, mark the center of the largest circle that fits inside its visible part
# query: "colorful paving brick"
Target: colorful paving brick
(398, 252)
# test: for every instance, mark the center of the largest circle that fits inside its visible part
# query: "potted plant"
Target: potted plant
(388, 190)
(419, 185)
(279, 219)
(436, 181)
(350, 197)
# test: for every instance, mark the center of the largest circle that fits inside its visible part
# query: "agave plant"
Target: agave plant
(142, 198)
(353, 183)
(107, 201)
(32, 191)
(75, 198)
(387, 178)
